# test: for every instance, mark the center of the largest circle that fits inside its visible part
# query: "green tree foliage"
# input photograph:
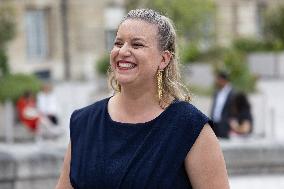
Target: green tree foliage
(102, 64)
(249, 45)
(133, 4)
(234, 62)
(7, 32)
(4, 68)
(189, 53)
(190, 16)
(7, 26)
(274, 25)
(13, 86)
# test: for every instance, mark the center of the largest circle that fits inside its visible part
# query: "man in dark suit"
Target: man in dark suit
(221, 109)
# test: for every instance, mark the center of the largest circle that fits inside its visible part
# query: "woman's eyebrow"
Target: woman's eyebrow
(118, 38)
(139, 39)
(142, 39)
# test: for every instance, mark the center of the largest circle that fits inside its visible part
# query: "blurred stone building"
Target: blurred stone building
(60, 39)
(241, 18)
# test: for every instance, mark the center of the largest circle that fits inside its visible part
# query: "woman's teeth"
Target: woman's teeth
(126, 65)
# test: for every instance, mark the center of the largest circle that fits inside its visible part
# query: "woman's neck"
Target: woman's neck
(134, 105)
(138, 100)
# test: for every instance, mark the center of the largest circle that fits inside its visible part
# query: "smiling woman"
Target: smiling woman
(153, 36)
(147, 135)
(135, 57)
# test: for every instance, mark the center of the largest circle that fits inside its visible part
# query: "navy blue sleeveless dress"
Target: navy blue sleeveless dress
(106, 154)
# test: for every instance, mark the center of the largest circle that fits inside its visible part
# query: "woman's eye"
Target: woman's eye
(118, 44)
(137, 45)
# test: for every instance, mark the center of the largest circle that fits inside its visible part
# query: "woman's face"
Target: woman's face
(135, 57)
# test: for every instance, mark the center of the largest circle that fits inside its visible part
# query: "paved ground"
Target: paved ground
(257, 182)
(236, 182)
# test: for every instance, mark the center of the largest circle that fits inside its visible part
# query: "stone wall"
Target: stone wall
(35, 166)
(31, 167)
(11, 130)
(192, 74)
(267, 64)
(255, 157)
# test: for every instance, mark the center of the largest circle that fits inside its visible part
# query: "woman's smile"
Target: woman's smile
(125, 65)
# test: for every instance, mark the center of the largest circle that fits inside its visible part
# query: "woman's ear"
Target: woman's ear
(166, 58)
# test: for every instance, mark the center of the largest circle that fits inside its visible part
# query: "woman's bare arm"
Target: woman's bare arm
(205, 163)
(64, 181)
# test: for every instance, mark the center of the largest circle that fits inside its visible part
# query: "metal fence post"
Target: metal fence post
(8, 121)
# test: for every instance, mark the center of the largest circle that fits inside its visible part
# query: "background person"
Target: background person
(27, 111)
(147, 135)
(222, 102)
(241, 120)
(47, 104)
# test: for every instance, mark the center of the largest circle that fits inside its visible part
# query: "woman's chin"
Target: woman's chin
(124, 79)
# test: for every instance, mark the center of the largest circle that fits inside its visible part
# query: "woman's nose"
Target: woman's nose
(125, 50)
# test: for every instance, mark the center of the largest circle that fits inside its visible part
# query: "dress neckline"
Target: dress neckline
(139, 124)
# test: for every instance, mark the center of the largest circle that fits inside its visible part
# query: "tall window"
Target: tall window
(112, 18)
(36, 34)
(261, 9)
(110, 37)
(235, 20)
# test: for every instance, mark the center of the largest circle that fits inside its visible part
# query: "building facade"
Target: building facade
(62, 39)
(241, 18)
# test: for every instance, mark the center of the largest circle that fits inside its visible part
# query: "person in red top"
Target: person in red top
(27, 112)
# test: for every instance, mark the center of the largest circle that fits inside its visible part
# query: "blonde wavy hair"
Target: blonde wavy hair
(172, 85)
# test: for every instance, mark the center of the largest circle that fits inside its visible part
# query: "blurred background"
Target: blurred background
(54, 59)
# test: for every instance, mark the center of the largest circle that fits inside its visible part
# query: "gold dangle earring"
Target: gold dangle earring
(118, 86)
(160, 84)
